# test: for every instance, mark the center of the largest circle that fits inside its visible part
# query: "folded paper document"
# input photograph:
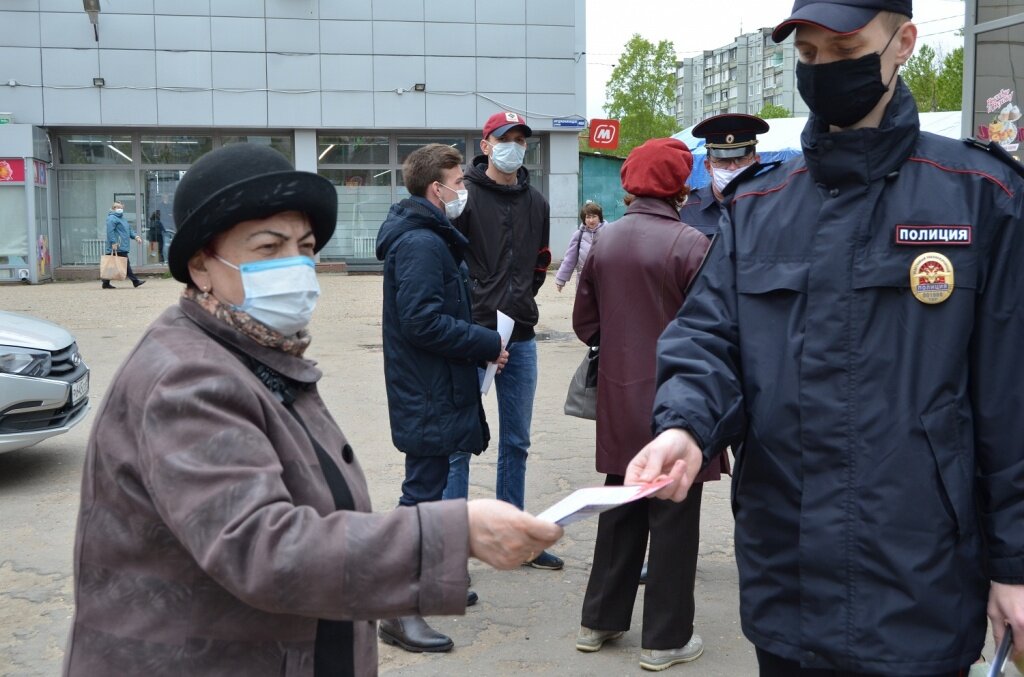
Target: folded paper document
(584, 503)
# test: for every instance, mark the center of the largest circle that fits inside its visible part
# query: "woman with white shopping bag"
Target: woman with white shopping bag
(119, 239)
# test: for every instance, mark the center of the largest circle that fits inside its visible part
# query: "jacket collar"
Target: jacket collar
(477, 174)
(426, 215)
(295, 368)
(653, 206)
(860, 156)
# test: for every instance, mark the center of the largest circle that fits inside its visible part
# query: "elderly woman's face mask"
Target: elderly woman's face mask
(276, 279)
(280, 293)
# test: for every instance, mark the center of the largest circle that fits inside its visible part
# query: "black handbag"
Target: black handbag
(581, 400)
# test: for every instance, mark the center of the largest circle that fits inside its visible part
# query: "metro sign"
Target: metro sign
(604, 133)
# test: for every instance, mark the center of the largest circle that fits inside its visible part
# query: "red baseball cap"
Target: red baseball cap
(500, 123)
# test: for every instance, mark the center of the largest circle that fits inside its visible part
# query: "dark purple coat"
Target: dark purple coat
(631, 287)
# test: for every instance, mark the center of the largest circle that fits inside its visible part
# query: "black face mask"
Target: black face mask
(844, 92)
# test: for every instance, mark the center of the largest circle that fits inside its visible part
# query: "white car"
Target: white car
(44, 383)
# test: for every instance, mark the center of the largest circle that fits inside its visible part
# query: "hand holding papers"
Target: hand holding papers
(505, 326)
(584, 503)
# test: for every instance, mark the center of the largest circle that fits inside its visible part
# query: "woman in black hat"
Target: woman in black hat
(225, 522)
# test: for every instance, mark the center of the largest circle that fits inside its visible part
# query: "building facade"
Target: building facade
(741, 77)
(116, 104)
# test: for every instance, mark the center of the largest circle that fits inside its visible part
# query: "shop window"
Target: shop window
(95, 149)
(407, 144)
(364, 198)
(85, 198)
(990, 10)
(174, 150)
(999, 80)
(284, 145)
(352, 150)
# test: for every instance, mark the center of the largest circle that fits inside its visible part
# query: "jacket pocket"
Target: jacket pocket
(765, 276)
(947, 442)
(892, 269)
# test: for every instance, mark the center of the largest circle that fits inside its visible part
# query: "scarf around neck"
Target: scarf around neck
(245, 324)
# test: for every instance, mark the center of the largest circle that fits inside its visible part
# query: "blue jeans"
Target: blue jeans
(516, 386)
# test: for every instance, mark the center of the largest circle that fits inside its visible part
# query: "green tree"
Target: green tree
(641, 92)
(771, 110)
(921, 73)
(949, 84)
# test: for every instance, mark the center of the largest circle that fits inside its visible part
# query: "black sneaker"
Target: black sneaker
(138, 283)
(545, 560)
(107, 285)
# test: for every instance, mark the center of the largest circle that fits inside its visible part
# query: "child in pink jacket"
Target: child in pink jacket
(592, 218)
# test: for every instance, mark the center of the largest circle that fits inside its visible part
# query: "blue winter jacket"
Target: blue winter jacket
(119, 231)
(431, 346)
(880, 485)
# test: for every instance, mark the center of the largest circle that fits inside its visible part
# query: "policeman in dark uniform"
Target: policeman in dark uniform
(857, 326)
(731, 141)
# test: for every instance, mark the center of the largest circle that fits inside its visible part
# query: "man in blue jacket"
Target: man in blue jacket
(857, 327)
(431, 346)
(119, 239)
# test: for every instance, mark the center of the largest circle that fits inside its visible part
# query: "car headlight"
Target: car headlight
(24, 361)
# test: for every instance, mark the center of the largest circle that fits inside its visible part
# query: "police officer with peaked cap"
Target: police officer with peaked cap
(731, 144)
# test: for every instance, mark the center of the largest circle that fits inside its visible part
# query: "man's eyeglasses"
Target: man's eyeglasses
(728, 162)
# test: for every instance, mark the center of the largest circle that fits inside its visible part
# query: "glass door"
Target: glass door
(158, 197)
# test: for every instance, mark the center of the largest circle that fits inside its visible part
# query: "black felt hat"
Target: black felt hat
(731, 134)
(241, 182)
(839, 16)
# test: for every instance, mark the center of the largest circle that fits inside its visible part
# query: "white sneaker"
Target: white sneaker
(659, 659)
(592, 640)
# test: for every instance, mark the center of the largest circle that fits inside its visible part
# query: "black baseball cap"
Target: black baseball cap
(838, 16)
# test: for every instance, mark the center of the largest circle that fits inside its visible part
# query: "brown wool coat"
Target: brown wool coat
(207, 540)
(632, 285)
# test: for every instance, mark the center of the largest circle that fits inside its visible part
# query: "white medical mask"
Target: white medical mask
(119, 211)
(280, 293)
(721, 177)
(508, 157)
(454, 208)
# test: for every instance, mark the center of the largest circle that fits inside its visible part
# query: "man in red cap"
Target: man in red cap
(507, 222)
(857, 327)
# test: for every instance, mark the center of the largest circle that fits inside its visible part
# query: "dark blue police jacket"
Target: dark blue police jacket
(880, 484)
(702, 211)
(431, 346)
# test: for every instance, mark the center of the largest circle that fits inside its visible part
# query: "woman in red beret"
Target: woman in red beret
(631, 286)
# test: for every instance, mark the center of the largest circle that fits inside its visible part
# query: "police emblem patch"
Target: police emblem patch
(931, 278)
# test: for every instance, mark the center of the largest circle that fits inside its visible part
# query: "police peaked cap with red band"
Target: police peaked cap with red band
(731, 134)
(657, 168)
(839, 16)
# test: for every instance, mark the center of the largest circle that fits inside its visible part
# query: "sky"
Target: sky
(696, 25)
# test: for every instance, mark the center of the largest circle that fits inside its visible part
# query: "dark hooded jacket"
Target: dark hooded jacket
(508, 229)
(880, 484)
(431, 346)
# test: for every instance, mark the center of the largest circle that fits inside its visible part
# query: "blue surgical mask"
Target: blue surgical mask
(508, 156)
(280, 293)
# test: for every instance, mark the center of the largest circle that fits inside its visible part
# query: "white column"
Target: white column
(563, 190)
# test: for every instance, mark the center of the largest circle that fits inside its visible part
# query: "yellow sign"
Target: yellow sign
(931, 278)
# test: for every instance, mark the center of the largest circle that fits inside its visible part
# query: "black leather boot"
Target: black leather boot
(413, 634)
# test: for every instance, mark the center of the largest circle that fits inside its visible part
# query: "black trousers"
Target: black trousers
(425, 477)
(131, 275)
(771, 665)
(622, 533)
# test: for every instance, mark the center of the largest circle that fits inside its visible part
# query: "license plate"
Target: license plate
(79, 389)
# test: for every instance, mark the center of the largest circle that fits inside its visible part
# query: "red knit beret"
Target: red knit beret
(657, 168)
